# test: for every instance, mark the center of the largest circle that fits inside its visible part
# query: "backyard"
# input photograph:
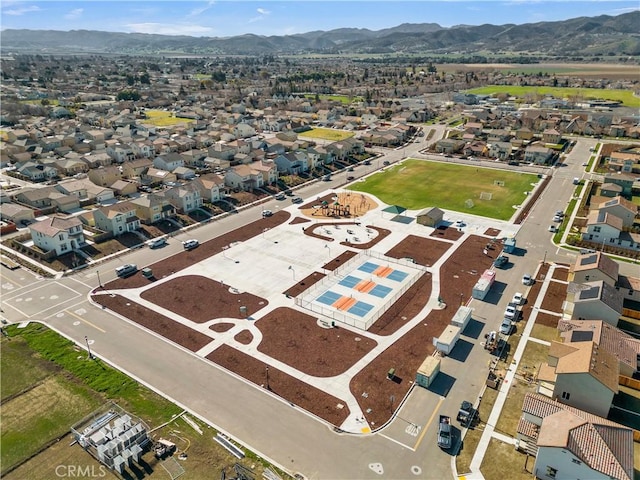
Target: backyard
(417, 184)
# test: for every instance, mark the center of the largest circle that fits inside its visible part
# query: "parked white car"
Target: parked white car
(527, 279)
(190, 244)
(518, 298)
(510, 312)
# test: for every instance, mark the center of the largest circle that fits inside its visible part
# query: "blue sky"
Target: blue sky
(219, 18)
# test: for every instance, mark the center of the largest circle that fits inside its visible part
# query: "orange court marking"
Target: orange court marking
(361, 285)
(368, 287)
(378, 271)
(348, 304)
(340, 302)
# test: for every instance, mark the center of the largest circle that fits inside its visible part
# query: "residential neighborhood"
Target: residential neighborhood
(104, 156)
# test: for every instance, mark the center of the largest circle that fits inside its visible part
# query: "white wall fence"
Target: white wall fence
(306, 301)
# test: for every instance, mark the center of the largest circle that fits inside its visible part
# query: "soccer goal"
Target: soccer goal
(486, 195)
(499, 183)
(469, 203)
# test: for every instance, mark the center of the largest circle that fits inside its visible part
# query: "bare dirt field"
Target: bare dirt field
(201, 299)
(295, 391)
(154, 321)
(555, 296)
(296, 339)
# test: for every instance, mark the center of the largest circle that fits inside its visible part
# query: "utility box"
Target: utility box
(462, 317)
(483, 285)
(427, 371)
(147, 272)
(509, 245)
(447, 340)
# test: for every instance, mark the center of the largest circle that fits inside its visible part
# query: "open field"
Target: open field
(588, 70)
(42, 414)
(344, 99)
(625, 96)
(162, 118)
(417, 184)
(48, 407)
(327, 134)
(499, 455)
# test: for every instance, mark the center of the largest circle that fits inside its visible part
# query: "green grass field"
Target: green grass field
(344, 99)
(417, 184)
(327, 134)
(161, 118)
(625, 96)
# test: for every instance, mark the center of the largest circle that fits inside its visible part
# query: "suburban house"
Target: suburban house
(551, 135)
(267, 169)
(185, 198)
(36, 172)
(243, 177)
(602, 227)
(211, 187)
(136, 167)
(621, 208)
(623, 346)
(117, 218)
(610, 190)
(430, 217)
(571, 444)
(123, 188)
(168, 161)
(105, 176)
(581, 374)
(625, 180)
(594, 300)
(84, 189)
(57, 233)
(449, 145)
(152, 208)
(48, 197)
(538, 154)
(18, 214)
(292, 163)
(501, 150)
(592, 267)
(155, 176)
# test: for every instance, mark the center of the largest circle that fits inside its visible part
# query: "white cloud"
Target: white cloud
(199, 11)
(262, 13)
(75, 13)
(169, 29)
(21, 10)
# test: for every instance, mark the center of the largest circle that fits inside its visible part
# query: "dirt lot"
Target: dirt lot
(154, 321)
(201, 299)
(555, 297)
(326, 351)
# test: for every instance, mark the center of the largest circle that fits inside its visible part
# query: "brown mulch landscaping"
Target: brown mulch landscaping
(170, 329)
(296, 339)
(424, 251)
(201, 299)
(340, 260)
(534, 291)
(298, 220)
(170, 265)
(304, 284)
(492, 232)
(290, 388)
(547, 319)
(221, 327)
(245, 337)
(555, 297)
(448, 233)
(561, 274)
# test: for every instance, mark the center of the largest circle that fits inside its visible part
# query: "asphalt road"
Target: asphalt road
(274, 428)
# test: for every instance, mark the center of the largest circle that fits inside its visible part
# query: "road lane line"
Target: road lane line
(85, 321)
(424, 429)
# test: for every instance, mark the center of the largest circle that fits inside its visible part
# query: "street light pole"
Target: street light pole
(99, 282)
(86, 339)
(544, 260)
(267, 371)
(293, 272)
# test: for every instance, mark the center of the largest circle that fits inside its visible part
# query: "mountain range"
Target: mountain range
(578, 37)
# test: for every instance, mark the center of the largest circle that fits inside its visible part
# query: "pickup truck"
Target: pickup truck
(501, 261)
(444, 432)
